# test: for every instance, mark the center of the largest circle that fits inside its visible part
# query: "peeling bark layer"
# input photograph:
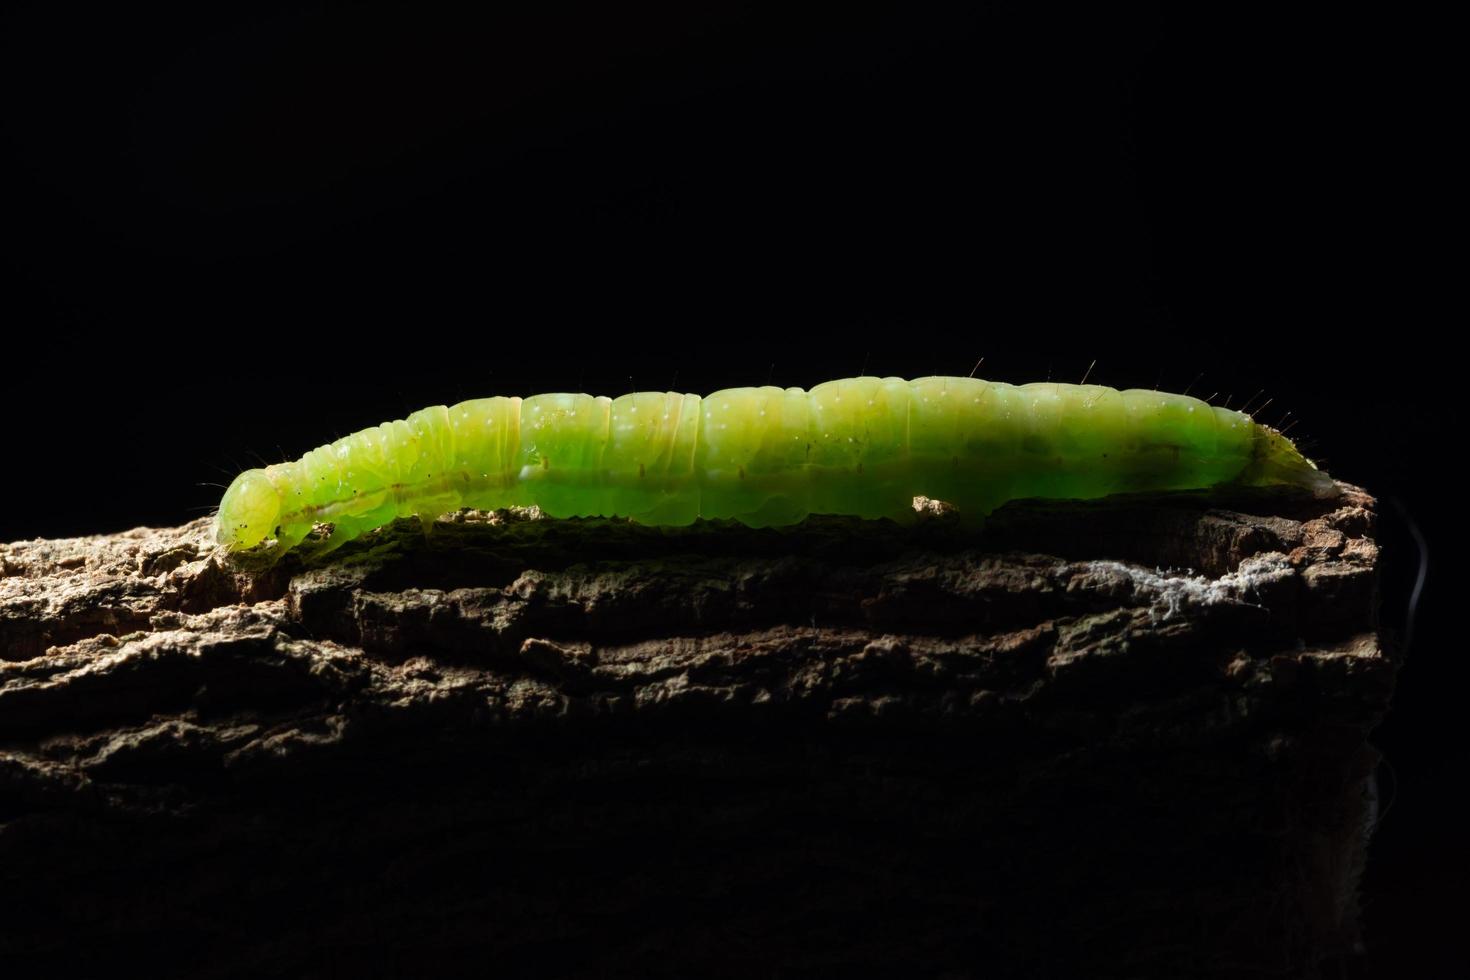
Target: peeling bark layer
(1120, 738)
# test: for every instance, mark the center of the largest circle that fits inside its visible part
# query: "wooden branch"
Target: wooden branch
(1126, 737)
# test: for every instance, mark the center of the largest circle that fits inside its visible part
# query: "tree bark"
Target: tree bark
(1119, 738)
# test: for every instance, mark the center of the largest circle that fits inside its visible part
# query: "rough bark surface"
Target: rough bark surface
(1120, 738)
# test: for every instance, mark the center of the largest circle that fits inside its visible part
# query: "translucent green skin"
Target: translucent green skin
(763, 456)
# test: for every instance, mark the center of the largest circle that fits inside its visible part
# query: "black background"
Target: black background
(232, 231)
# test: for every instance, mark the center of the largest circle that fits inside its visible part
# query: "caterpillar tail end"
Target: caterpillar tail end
(248, 511)
(1275, 460)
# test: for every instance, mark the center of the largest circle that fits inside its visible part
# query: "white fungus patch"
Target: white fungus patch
(1174, 591)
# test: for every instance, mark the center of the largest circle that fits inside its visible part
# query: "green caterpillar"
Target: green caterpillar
(763, 456)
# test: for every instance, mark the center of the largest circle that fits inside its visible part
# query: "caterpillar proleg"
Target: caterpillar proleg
(763, 456)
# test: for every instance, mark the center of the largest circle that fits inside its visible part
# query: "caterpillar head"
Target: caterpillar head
(248, 512)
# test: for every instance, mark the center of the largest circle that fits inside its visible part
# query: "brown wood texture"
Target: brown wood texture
(1120, 738)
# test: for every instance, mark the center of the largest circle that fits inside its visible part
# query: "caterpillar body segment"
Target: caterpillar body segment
(764, 456)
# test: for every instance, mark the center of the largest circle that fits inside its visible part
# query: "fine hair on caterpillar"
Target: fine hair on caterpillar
(864, 446)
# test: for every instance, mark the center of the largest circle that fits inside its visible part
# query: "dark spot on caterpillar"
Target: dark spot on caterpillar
(860, 466)
(640, 471)
(741, 470)
(546, 462)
